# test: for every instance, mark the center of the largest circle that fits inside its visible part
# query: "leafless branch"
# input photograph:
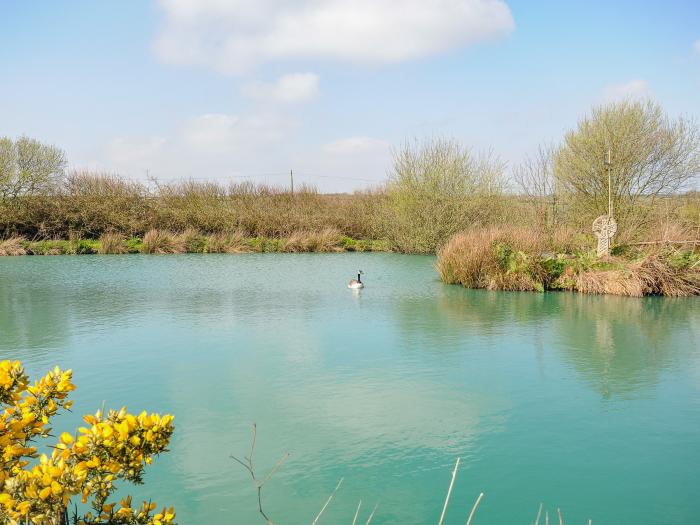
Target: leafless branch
(250, 467)
(476, 504)
(327, 501)
(449, 492)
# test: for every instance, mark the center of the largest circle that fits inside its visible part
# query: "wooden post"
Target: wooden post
(291, 179)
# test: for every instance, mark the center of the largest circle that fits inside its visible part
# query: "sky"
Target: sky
(235, 90)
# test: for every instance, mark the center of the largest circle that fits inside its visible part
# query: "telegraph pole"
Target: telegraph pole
(291, 180)
(608, 164)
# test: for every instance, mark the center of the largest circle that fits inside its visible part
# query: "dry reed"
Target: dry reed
(161, 242)
(112, 243)
(12, 246)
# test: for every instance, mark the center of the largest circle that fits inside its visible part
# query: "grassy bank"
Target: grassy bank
(193, 241)
(517, 259)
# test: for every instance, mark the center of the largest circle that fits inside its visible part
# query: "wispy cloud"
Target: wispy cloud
(290, 88)
(236, 35)
(696, 46)
(636, 89)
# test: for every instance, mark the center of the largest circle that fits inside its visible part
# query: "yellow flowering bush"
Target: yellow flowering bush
(112, 447)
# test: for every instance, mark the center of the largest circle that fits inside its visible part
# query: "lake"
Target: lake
(585, 403)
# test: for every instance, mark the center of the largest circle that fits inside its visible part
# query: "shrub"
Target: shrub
(438, 188)
(114, 446)
(193, 241)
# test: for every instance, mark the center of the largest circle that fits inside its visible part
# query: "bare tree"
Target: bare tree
(535, 179)
(27, 167)
(651, 154)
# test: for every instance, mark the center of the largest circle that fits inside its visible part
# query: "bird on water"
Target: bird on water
(356, 284)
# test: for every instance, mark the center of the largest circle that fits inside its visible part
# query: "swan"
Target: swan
(356, 284)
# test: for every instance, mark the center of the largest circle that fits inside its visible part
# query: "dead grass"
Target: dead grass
(471, 259)
(161, 242)
(12, 247)
(112, 243)
(326, 240)
(228, 242)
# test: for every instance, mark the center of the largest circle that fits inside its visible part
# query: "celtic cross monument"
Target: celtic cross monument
(604, 227)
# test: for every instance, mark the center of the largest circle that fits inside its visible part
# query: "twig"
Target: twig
(539, 513)
(357, 512)
(561, 520)
(449, 491)
(372, 515)
(476, 504)
(249, 466)
(328, 501)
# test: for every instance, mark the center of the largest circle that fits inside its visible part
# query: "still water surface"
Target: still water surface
(590, 404)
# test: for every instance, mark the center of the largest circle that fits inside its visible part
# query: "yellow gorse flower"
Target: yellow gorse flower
(112, 447)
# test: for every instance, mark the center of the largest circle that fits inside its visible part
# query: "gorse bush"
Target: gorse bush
(114, 446)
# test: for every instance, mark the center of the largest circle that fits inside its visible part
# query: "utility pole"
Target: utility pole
(291, 179)
(608, 164)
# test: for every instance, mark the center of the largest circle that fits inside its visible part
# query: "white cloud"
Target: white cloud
(217, 131)
(355, 145)
(636, 89)
(232, 36)
(290, 88)
(125, 150)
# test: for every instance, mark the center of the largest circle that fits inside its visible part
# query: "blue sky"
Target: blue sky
(229, 90)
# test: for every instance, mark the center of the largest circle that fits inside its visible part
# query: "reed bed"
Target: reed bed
(12, 246)
(162, 242)
(112, 243)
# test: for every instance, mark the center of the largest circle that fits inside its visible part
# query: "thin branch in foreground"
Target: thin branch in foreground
(449, 492)
(561, 520)
(539, 513)
(372, 514)
(357, 512)
(476, 504)
(328, 501)
(250, 467)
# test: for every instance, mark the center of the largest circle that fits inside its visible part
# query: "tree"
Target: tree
(438, 187)
(651, 154)
(28, 167)
(535, 178)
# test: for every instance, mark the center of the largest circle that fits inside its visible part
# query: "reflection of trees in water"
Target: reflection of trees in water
(452, 314)
(621, 344)
(617, 344)
(30, 322)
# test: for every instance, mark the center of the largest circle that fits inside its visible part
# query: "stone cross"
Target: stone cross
(604, 227)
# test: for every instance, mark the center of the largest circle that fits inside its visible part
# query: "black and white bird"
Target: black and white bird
(356, 284)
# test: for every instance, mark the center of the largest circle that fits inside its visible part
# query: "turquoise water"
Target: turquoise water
(588, 404)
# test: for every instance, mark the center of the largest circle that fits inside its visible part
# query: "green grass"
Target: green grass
(195, 242)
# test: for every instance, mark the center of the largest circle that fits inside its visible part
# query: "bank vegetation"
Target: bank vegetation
(440, 196)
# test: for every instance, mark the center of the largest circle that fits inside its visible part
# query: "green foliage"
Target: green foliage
(27, 167)
(134, 245)
(651, 155)
(437, 188)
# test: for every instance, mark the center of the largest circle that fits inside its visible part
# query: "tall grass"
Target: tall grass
(161, 242)
(520, 259)
(112, 243)
(12, 246)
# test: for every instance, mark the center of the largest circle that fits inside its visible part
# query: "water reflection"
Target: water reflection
(620, 345)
